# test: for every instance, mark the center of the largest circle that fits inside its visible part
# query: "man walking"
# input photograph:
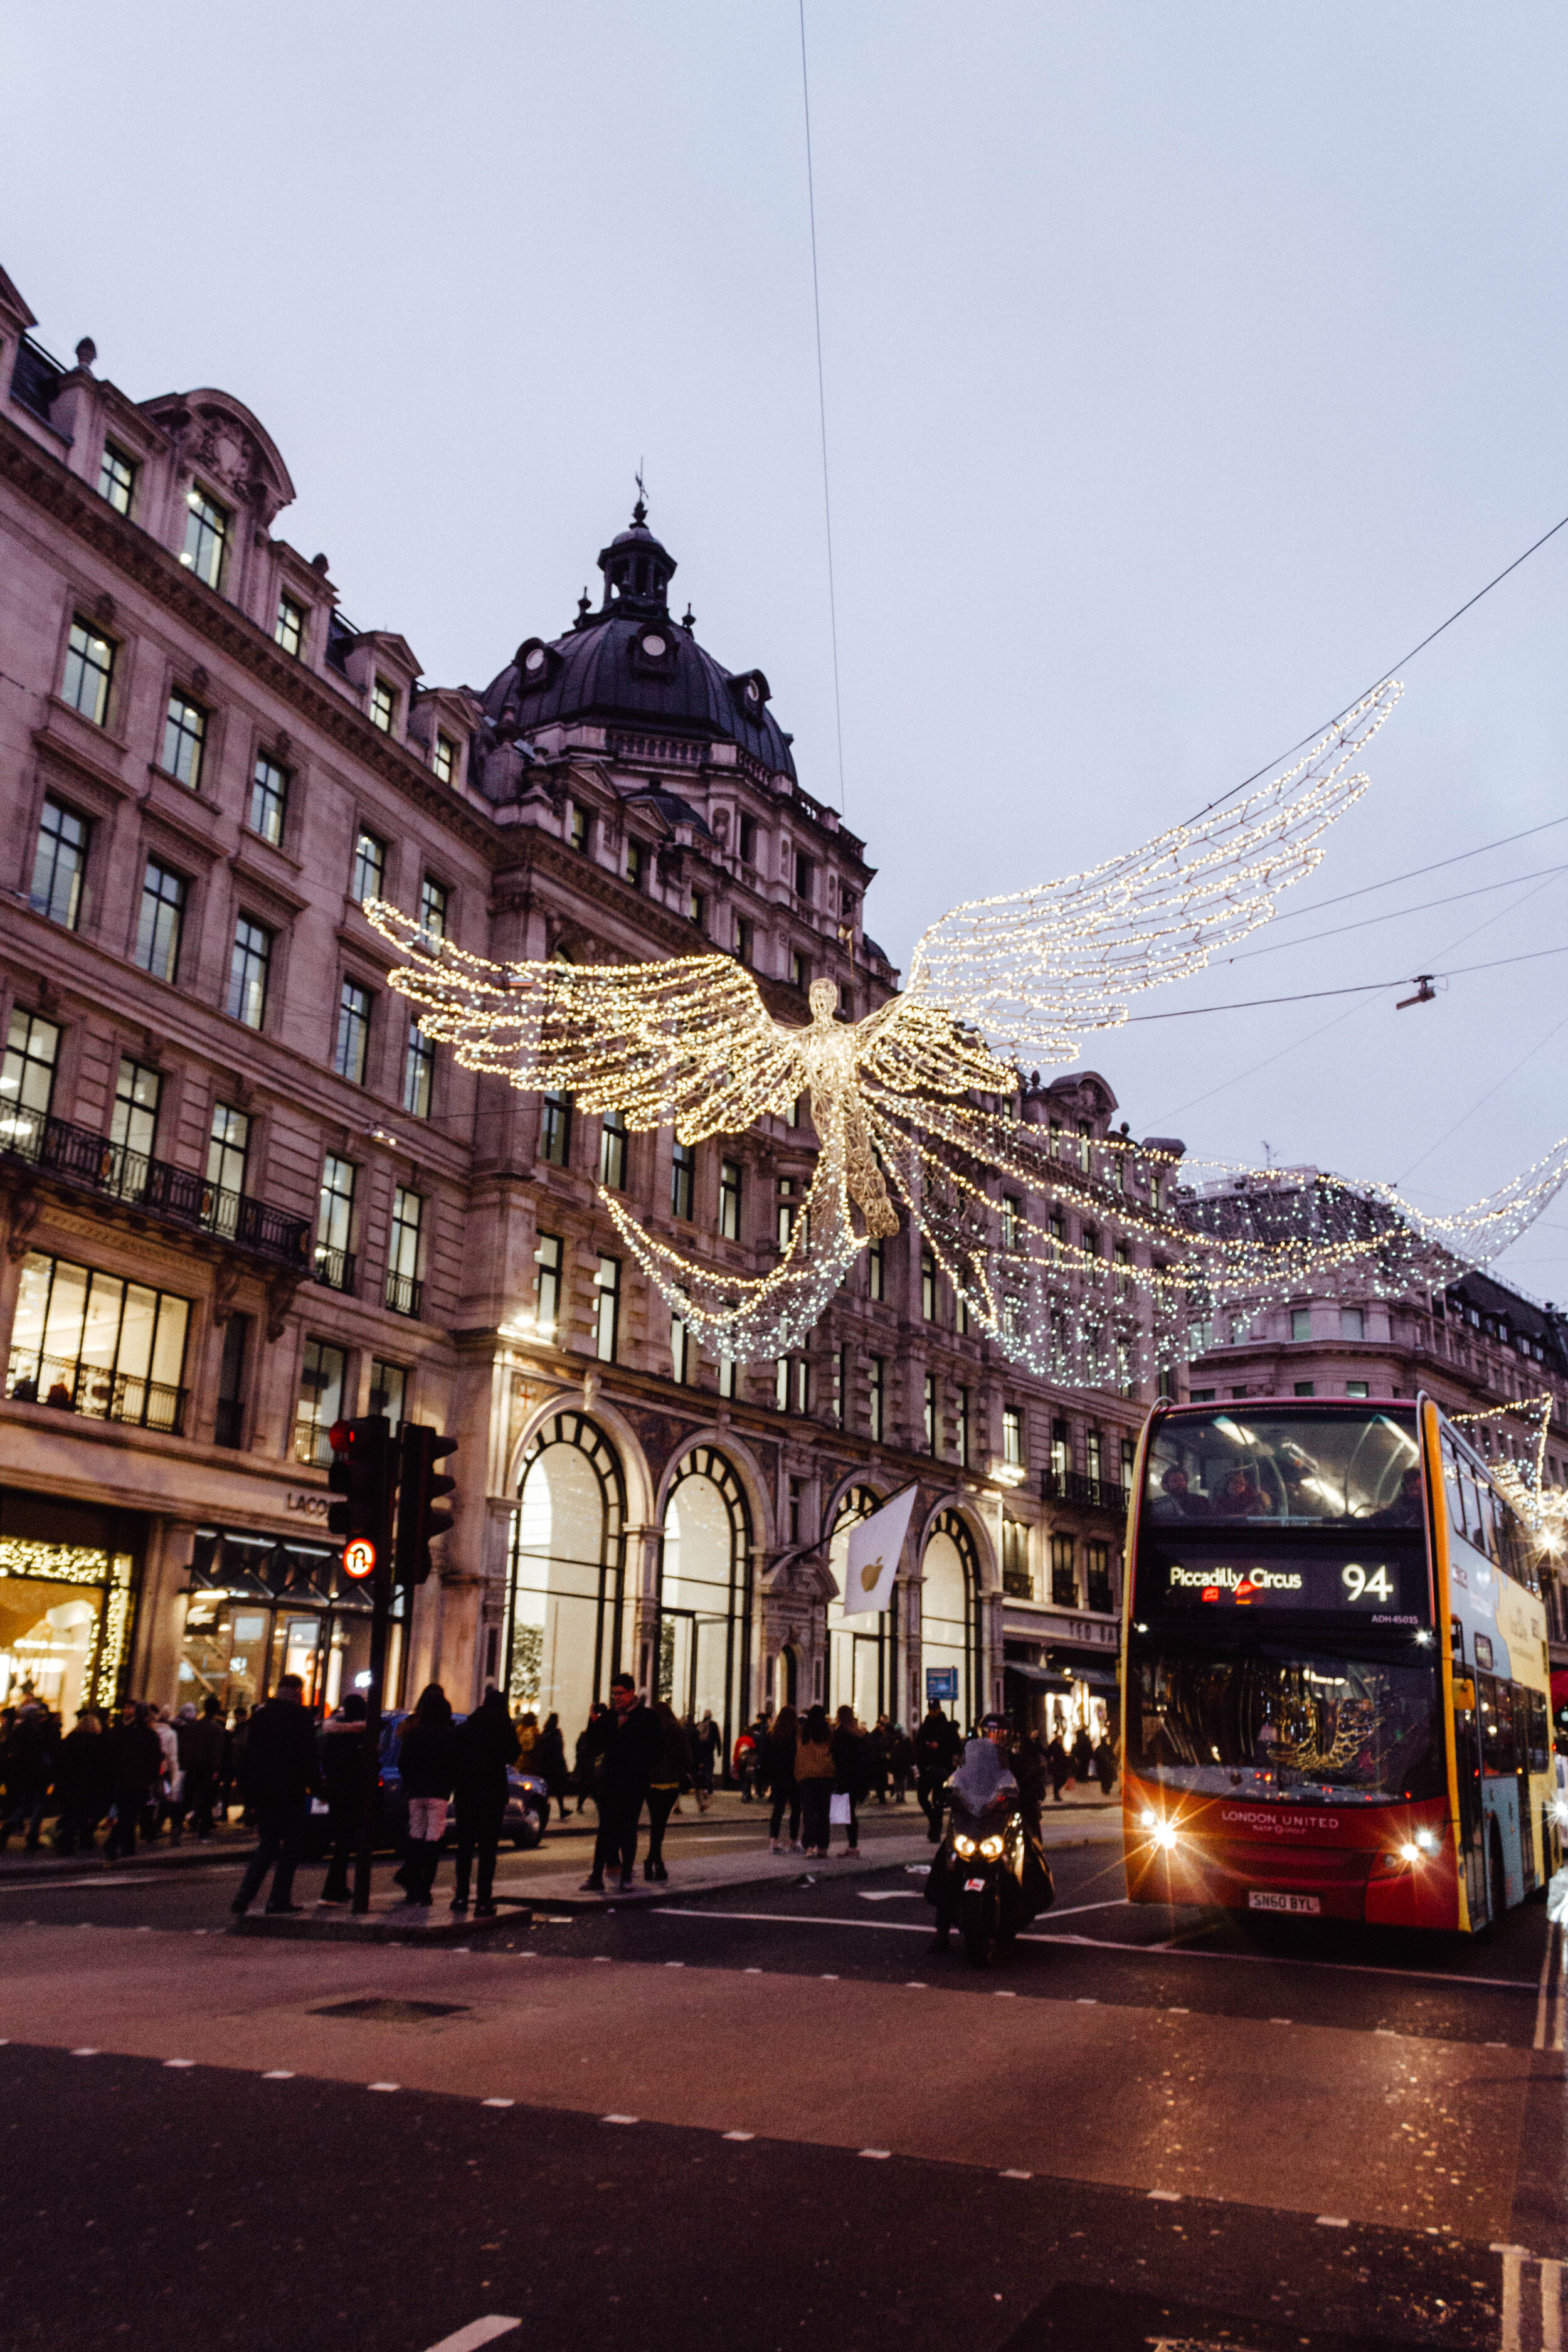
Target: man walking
(342, 1770)
(134, 1762)
(937, 1746)
(626, 1769)
(485, 1744)
(200, 1741)
(283, 1773)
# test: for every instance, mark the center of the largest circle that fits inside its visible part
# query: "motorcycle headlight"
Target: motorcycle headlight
(991, 1847)
(963, 1844)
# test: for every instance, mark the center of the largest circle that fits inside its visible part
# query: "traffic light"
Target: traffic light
(421, 1516)
(361, 1472)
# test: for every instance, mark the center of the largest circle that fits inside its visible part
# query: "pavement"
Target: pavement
(764, 2111)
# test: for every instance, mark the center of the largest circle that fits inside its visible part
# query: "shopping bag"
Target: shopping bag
(838, 1812)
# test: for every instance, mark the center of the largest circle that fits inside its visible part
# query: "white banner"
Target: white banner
(876, 1546)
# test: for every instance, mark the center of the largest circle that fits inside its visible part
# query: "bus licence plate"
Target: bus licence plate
(1258, 1901)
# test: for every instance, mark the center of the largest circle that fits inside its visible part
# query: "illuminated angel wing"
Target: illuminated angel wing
(687, 1043)
(1036, 970)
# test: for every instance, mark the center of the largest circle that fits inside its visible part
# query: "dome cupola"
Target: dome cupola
(637, 571)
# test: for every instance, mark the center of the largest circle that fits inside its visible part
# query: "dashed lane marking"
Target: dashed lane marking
(739, 2135)
(383, 2086)
(84, 2053)
(181, 2063)
(617, 2119)
(498, 2103)
(477, 2332)
(876, 2155)
(1333, 2221)
(1164, 2196)
(1015, 2176)
(279, 2075)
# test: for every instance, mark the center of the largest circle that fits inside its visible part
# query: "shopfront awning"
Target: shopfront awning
(1040, 1678)
(1099, 1674)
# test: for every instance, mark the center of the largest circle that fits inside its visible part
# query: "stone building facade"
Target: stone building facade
(243, 1197)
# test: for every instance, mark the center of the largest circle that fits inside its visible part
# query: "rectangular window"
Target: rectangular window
(184, 739)
(389, 1390)
(369, 868)
(229, 1154)
(786, 1212)
(876, 1272)
(804, 876)
(443, 759)
(1200, 1396)
(554, 1128)
(98, 1346)
(746, 838)
(89, 672)
(1085, 1157)
(841, 1387)
(683, 1178)
(160, 922)
(248, 968)
(1011, 1214)
(206, 537)
(27, 1080)
(801, 1385)
(963, 1428)
(697, 909)
(1092, 1454)
(606, 1335)
(1305, 1387)
(613, 1151)
(59, 862)
(730, 1200)
(1013, 1437)
(320, 1402)
(799, 969)
(269, 798)
(876, 1389)
(1358, 1388)
(781, 1384)
(636, 863)
(930, 1413)
(352, 1043)
(682, 1355)
(726, 1376)
(1352, 1323)
(404, 1287)
(382, 706)
(433, 898)
(547, 1287)
(1129, 1456)
(1097, 1575)
(794, 1500)
(1064, 1572)
(334, 1263)
(1301, 1323)
(134, 1122)
(228, 1421)
(1061, 1450)
(288, 629)
(418, 1073)
(577, 825)
(745, 941)
(928, 1286)
(117, 479)
(1015, 1578)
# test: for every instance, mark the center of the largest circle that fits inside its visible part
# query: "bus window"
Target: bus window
(1285, 1467)
(1453, 1488)
(1499, 1752)
(1538, 1732)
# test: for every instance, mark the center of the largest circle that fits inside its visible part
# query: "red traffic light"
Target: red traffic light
(340, 1436)
(359, 1556)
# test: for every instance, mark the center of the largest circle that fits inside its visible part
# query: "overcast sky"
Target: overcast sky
(1183, 366)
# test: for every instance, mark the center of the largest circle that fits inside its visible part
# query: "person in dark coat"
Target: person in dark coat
(849, 1744)
(134, 1762)
(1105, 1764)
(937, 1750)
(282, 1773)
(706, 1751)
(233, 1766)
(427, 1759)
(484, 1745)
(29, 1769)
(200, 1747)
(549, 1761)
(624, 1772)
(670, 1774)
(343, 1774)
(1058, 1764)
(1083, 1758)
(786, 1787)
(82, 1783)
(589, 1754)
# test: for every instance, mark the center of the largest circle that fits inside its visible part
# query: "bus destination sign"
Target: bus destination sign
(1381, 1587)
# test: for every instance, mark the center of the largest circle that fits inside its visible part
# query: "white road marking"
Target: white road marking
(279, 2075)
(892, 1895)
(1164, 2196)
(1543, 1991)
(617, 2119)
(86, 2054)
(916, 1984)
(1333, 2221)
(181, 2063)
(1114, 1903)
(1015, 2176)
(477, 2332)
(1551, 2307)
(498, 2103)
(383, 2086)
(877, 2155)
(1513, 2259)
(739, 2135)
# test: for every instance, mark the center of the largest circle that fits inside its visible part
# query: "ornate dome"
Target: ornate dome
(630, 663)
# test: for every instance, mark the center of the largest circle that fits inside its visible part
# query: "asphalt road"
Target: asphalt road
(1142, 2127)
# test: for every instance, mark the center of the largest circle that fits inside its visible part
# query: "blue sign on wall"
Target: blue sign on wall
(941, 1681)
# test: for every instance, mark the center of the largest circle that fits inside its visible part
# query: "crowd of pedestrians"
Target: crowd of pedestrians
(135, 1773)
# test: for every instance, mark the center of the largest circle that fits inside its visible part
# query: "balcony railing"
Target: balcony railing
(1019, 1584)
(1100, 1597)
(96, 1391)
(334, 1269)
(1064, 1589)
(80, 1155)
(404, 1295)
(1073, 1486)
(311, 1444)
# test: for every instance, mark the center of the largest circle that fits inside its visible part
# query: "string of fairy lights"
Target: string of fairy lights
(1522, 1481)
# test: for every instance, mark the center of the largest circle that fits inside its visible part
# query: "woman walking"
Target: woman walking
(427, 1762)
(814, 1772)
(550, 1763)
(671, 1773)
(848, 1746)
(786, 1788)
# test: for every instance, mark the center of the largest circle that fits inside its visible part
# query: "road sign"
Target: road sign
(941, 1681)
(359, 1556)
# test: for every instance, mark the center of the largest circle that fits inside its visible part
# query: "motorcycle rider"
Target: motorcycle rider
(1025, 1761)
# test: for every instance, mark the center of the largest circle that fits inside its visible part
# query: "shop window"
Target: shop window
(613, 1151)
(404, 1291)
(93, 1344)
(389, 1391)
(67, 1623)
(554, 1128)
(607, 1319)
(160, 922)
(418, 1073)
(1064, 1574)
(683, 1178)
(59, 864)
(229, 1424)
(352, 1046)
(88, 672)
(269, 798)
(565, 1632)
(334, 1263)
(27, 1081)
(547, 1287)
(288, 628)
(369, 868)
(117, 479)
(206, 537)
(184, 742)
(730, 1200)
(250, 965)
(321, 1401)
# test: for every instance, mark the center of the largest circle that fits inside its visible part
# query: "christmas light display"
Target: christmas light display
(1523, 1483)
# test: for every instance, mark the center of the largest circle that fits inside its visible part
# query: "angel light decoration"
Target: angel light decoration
(910, 1101)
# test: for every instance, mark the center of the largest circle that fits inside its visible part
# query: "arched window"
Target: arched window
(705, 1596)
(948, 1619)
(862, 1649)
(565, 1608)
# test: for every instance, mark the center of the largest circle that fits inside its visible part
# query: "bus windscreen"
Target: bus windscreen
(1283, 1468)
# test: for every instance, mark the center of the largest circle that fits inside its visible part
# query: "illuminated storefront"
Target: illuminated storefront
(260, 1609)
(862, 1647)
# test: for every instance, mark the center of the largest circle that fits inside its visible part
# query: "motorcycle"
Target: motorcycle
(989, 1879)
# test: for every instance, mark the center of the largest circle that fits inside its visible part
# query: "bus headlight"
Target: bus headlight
(1150, 1820)
(1427, 1840)
(963, 1844)
(1164, 1835)
(1409, 1853)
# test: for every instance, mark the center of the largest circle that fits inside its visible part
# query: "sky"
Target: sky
(1182, 368)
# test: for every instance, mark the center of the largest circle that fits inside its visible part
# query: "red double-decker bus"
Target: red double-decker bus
(1335, 1683)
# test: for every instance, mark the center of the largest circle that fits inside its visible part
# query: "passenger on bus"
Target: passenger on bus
(1404, 1511)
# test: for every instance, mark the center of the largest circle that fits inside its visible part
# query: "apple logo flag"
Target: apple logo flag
(876, 1546)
